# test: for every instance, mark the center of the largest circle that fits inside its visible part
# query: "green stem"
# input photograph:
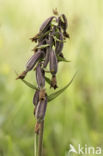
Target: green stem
(40, 139)
(35, 144)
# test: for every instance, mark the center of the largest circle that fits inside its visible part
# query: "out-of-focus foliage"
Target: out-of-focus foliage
(76, 116)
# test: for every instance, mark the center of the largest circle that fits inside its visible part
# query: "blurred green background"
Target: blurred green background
(76, 116)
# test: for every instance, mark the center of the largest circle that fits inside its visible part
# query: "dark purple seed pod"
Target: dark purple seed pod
(33, 60)
(36, 98)
(46, 61)
(65, 23)
(62, 22)
(59, 44)
(41, 109)
(40, 76)
(46, 24)
(53, 62)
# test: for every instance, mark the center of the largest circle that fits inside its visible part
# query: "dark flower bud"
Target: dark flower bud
(33, 60)
(40, 76)
(41, 109)
(59, 44)
(53, 62)
(65, 23)
(62, 22)
(36, 98)
(46, 24)
(47, 57)
(54, 82)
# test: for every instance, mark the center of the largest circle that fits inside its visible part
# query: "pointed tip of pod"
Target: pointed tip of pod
(54, 82)
(66, 34)
(22, 75)
(35, 38)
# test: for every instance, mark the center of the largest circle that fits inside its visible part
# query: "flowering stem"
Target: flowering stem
(40, 139)
(35, 144)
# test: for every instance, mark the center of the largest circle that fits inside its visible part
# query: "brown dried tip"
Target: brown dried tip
(54, 82)
(66, 35)
(37, 127)
(42, 94)
(55, 12)
(35, 38)
(22, 75)
(35, 49)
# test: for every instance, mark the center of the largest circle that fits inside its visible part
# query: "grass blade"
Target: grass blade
(56, 94)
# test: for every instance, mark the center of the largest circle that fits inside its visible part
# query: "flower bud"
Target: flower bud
(41, 109)
(36, 98)
(33, 60)
(53, 62)
(40, 76)
(62, 22)
(47, 57)
(46, 24)
(59, 44)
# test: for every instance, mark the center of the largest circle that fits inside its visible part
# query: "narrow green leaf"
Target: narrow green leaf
(56, 94)
(62, 59)
(43, 46)
(47, 80)
(56, 39)
(27, 83)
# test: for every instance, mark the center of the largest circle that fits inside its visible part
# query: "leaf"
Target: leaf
(27, 83)
(43, 46)
(62, 59)
(56, 94)
(56, 39)
(47, 80)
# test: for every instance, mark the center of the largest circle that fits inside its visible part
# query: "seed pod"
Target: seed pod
(54, 82)
(36, 98)
(47, 57)
(65, 23)
(41, 109)
(33, 60)
(46, 24)
(59, 44)
(62, 22)
(53, 62)
(40, 76)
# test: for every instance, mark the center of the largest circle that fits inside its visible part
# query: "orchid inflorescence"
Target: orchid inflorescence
(50, 41)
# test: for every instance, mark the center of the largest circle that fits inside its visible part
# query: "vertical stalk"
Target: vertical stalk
(35, 144)
(40, 139)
